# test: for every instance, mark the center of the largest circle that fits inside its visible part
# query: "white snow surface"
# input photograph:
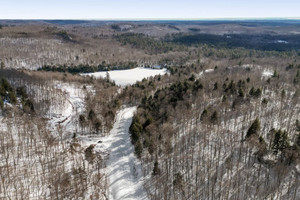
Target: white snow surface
(281, 41)
(123, 168)
(209, 70)
(205, 71)
(267, 73)
(130, 76)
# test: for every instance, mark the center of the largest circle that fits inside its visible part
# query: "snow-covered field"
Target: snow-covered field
(128, 77)
(123, 168)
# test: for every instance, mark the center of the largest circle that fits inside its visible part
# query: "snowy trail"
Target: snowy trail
(75, 104)
(124, 169)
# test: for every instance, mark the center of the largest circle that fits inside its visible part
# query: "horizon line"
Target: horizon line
(163, 19)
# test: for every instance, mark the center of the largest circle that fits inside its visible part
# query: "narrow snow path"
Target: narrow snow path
(124, 169)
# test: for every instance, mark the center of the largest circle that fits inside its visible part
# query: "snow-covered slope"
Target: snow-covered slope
(127, 77)
(74, 105)
(124, 169)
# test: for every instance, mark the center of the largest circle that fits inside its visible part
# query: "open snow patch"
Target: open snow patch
(205, 71)
(267, 73)
(130, 76)
(281, 41)
(209, 70)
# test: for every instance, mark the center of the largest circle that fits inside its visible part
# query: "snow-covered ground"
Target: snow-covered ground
(128, 77)
(74, 104)
(208, 70)
(123, 168)
(267, 73)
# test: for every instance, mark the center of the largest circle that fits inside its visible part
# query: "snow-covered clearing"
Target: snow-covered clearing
(205, 71)
(128, 77)
(208, 70)
(267, 73)
(123, 168)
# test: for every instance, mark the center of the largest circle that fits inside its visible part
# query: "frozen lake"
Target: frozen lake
(130, 76)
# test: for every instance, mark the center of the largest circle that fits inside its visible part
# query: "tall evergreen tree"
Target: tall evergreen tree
(280, 142)
(254, 128)
(214, 117)
(156, 170)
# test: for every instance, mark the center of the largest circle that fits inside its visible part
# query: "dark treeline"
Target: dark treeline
(85, 68)
(258, 42)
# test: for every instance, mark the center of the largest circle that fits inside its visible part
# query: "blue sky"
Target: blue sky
(154, 9)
